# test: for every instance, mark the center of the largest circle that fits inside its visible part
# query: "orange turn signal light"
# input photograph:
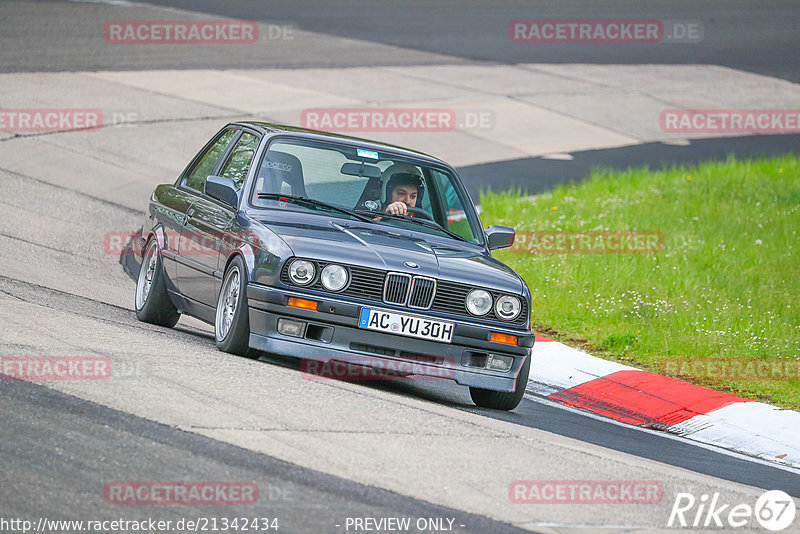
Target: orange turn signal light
(508, 339)
(303, 303)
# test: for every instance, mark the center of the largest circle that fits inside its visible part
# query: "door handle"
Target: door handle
(189, 212)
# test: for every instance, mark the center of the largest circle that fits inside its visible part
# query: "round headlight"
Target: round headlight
(302, 272)
(479, 302)
(334, 277)
(507, 307)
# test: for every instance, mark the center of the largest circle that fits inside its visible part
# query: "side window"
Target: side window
(456, 217)
(240, 159)
(197, 177)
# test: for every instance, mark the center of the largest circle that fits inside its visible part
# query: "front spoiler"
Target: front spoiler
(338, 338)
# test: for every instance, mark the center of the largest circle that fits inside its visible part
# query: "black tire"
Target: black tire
(152, 303)
(503, 400)
(232, 323)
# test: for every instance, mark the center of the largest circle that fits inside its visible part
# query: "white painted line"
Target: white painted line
(558, 157)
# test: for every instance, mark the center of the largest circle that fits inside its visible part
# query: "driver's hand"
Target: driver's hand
(397, 208)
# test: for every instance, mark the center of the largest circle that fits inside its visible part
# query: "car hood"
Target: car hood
(381, 246)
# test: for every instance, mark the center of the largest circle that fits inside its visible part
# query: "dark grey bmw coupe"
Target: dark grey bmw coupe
(337, 250)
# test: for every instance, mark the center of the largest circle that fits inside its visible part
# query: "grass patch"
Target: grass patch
(717, 305)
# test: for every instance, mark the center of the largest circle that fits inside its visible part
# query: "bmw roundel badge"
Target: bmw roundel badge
(411, 265)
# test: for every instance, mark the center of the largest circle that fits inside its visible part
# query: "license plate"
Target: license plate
(406, 325)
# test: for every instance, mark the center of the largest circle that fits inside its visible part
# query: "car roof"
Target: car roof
(268, 128)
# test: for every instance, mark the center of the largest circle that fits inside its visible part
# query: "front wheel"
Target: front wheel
(232, 324)
(503, 400)
(153, 304)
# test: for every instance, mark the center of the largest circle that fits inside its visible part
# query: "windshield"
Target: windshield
(360, 183)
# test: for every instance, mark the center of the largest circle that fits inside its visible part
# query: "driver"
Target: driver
(402, 191)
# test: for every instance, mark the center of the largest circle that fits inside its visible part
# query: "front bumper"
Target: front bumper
(333, 334)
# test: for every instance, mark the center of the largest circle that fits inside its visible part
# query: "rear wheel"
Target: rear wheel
(232, 324)
(503, 400)
(153, 304)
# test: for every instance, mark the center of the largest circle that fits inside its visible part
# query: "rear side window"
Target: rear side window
(240, 159)
(208, 162)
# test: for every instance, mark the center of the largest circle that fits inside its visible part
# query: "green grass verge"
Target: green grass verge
(717, 305)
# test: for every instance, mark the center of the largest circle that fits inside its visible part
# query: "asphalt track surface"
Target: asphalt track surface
(58, 448)
(547, 172)
(760, 37)
(93, 443)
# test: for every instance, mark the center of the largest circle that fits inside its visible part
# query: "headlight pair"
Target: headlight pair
(507, 307)
(333, 277)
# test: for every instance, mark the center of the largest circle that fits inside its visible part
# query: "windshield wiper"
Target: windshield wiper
(314, 202)
(424, 222)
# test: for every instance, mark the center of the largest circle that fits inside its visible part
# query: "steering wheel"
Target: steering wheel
(419, 212)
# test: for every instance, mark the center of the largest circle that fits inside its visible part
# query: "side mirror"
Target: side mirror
(499, 236)
(223, 189)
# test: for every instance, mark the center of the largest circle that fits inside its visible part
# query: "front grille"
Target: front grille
(415, 292)
(374, 349)
(365, 283)
(424, 358)
(404, 290)
(422, 292)
(395, 290)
